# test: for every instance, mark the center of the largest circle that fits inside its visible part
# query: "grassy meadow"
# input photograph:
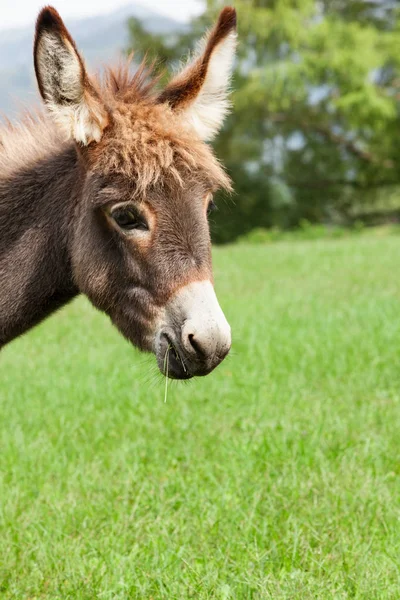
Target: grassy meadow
(278, 476)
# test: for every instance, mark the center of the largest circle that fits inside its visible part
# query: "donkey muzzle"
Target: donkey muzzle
(195, 336)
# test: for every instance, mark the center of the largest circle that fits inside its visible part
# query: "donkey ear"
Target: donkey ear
(200, 91)
(63, 81)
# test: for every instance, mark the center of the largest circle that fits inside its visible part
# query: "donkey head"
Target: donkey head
(140, 243)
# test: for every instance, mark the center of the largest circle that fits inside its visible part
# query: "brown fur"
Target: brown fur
(186, 86)
(50, 20)
(56, 235)
(147, 143)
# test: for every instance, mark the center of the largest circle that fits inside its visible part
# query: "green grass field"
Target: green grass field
(278, 476)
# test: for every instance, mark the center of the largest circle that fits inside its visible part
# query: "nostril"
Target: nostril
(196, 345)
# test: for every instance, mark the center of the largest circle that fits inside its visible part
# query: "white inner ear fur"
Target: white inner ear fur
(208, 110)
(61, 77)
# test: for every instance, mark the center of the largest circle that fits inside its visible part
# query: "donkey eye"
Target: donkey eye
(211, 207)
(127, 219)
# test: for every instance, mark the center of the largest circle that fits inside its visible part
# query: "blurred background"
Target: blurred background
(313, 138)
(278, 476)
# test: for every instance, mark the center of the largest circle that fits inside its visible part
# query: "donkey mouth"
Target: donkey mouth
(170, 360)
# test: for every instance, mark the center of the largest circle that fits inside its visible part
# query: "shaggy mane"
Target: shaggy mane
(145, 141)
(30, 140)
(120, 83)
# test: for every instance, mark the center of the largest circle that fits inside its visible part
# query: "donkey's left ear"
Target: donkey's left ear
(200, 91)
(63, 82)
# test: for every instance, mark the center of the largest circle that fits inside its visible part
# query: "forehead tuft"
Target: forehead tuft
(146, 142)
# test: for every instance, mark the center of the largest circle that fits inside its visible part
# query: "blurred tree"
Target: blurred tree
(316, 108)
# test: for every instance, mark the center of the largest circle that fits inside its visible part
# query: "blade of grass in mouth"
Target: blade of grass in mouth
(166, 364)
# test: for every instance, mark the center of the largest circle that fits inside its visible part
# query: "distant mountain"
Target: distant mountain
(101, 39)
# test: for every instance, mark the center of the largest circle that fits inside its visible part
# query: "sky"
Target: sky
(19, 13)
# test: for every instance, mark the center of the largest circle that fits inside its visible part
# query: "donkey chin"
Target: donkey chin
(193, 336)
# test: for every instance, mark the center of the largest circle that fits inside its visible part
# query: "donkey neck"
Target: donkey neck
(36, 210)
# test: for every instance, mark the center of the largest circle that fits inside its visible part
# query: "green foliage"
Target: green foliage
(316, 108)
(310, 231)
(276, 477)
(305, 231)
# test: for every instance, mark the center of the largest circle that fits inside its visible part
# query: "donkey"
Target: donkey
(109, 195)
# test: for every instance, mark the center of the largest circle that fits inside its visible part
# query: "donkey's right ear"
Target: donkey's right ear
(64, 83)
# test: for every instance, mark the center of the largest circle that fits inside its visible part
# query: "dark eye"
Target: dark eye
(126, 218)
(211, 207)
